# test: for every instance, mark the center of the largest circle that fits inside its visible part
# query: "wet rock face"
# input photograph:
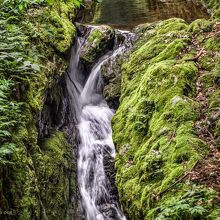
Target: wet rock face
(112, 81)
(99, 41)
(111, 70)
(57, 170)
(54, 113)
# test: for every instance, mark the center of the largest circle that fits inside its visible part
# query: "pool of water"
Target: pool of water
(129, 13)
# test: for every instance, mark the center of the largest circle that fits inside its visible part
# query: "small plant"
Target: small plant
(181, 210)
(10, 116)
(192, 205)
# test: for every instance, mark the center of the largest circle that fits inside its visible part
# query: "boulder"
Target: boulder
(99, 41)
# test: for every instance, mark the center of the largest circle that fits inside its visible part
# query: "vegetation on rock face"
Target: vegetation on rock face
(57, 166)
(154, 129)
(35, 178)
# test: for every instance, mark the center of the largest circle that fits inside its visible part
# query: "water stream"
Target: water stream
(96, 148)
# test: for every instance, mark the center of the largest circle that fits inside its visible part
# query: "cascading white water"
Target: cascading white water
(94, 126)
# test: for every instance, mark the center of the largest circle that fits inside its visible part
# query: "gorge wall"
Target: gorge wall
(38, 177)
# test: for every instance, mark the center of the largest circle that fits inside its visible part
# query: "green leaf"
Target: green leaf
(4, 133)
(35, 67)
(7, 149)
(20, 7)
(27, 63)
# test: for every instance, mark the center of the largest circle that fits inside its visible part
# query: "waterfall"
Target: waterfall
(93, 118)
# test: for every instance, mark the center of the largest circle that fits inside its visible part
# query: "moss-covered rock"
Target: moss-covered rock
(153, 129)
(37, 178)
(100, 40)
(56, 166)
(54, 24)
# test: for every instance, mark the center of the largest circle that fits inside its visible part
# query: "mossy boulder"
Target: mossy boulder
(54, 25)
(153, 128)
(99, 41)
(57, 165)
(111, 70)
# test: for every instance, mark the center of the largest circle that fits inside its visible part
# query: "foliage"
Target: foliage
(15, 60)
(16, 68)
(29, 65)
(23, 5)
(21, 62)
(10, 117)
(10, 111)
(189, 206)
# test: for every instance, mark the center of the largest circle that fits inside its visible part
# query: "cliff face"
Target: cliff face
(166, 129)
(37, 160)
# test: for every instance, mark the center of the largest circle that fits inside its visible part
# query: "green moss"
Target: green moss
(45, 177)
(54, 164)
(51, 33)
(200, 25)
(208, 80)
(22, 181)
(212, 44)
(37, 183)
(64, 30)
(207, 63)
(153, 128)
(169, 25)
(54, 26)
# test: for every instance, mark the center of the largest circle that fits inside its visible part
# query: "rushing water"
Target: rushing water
(93, 117)
(129, 13)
